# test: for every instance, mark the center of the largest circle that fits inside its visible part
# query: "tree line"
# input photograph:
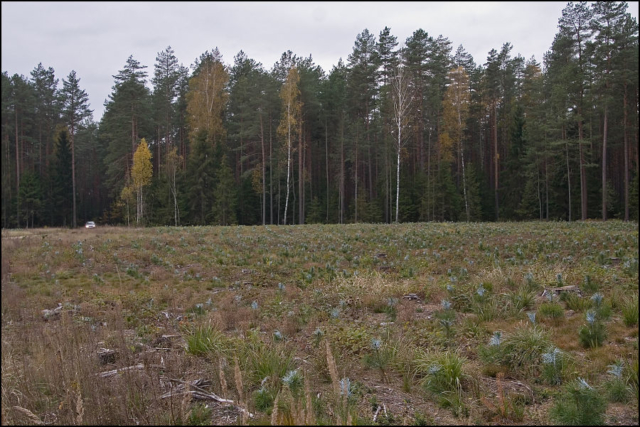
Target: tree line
(394, 134)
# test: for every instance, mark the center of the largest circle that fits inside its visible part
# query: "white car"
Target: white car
(90, 224)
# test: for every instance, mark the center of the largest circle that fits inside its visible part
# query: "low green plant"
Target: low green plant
(630, 311)
(589, 285)
(594, 332)
(579, 404)
(205, 340)
(521, 351)
(380, 357)
(446, 317)
(444, 378)
(487, 308)
(530, 283)
(293, 380)
(522, 299)
(551, 310)
(602, 309)
(263, 399)
(200, 415)
(617, 388)
(554, 363)
(268, 360)
(575, 302)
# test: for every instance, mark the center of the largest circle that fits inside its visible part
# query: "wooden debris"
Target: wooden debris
(106, 356)
(184, 388)
(375, 416)
(558, 291)
(52, 314)
(116, 371)
(412, 297)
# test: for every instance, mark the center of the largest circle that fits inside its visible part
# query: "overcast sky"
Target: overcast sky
(96, 38)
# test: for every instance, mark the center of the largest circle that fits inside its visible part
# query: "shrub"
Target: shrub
(579, 404)
(593, 333)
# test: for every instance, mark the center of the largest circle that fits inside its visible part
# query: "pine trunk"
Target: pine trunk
(604, 166)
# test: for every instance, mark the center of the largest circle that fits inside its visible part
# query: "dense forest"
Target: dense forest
(397, 133)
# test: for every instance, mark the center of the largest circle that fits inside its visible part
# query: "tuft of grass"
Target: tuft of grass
(579, 405)
(266, 363)
(575, 302)
(630, 311)
(551, 310)
(521, 351)
(205, 340)
(521, 300)
(444, 377)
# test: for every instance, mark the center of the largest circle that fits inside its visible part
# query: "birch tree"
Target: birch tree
(142, 172)
(207, 97)
(291, 109)
(401, 97)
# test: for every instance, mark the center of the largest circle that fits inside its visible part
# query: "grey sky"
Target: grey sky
(96, 38)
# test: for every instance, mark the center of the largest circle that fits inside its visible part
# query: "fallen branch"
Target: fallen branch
(375, 416)
(199, 393)
(116, 371)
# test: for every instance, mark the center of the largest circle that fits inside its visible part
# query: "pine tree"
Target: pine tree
(126, 120)
(165, 82)
(455, 113)
(62, 189)
(574, 27)
(224, 207)
(607, 18)
(362, 64)
(75, 108)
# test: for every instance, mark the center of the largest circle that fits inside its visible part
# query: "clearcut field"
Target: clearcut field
(419, 324)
